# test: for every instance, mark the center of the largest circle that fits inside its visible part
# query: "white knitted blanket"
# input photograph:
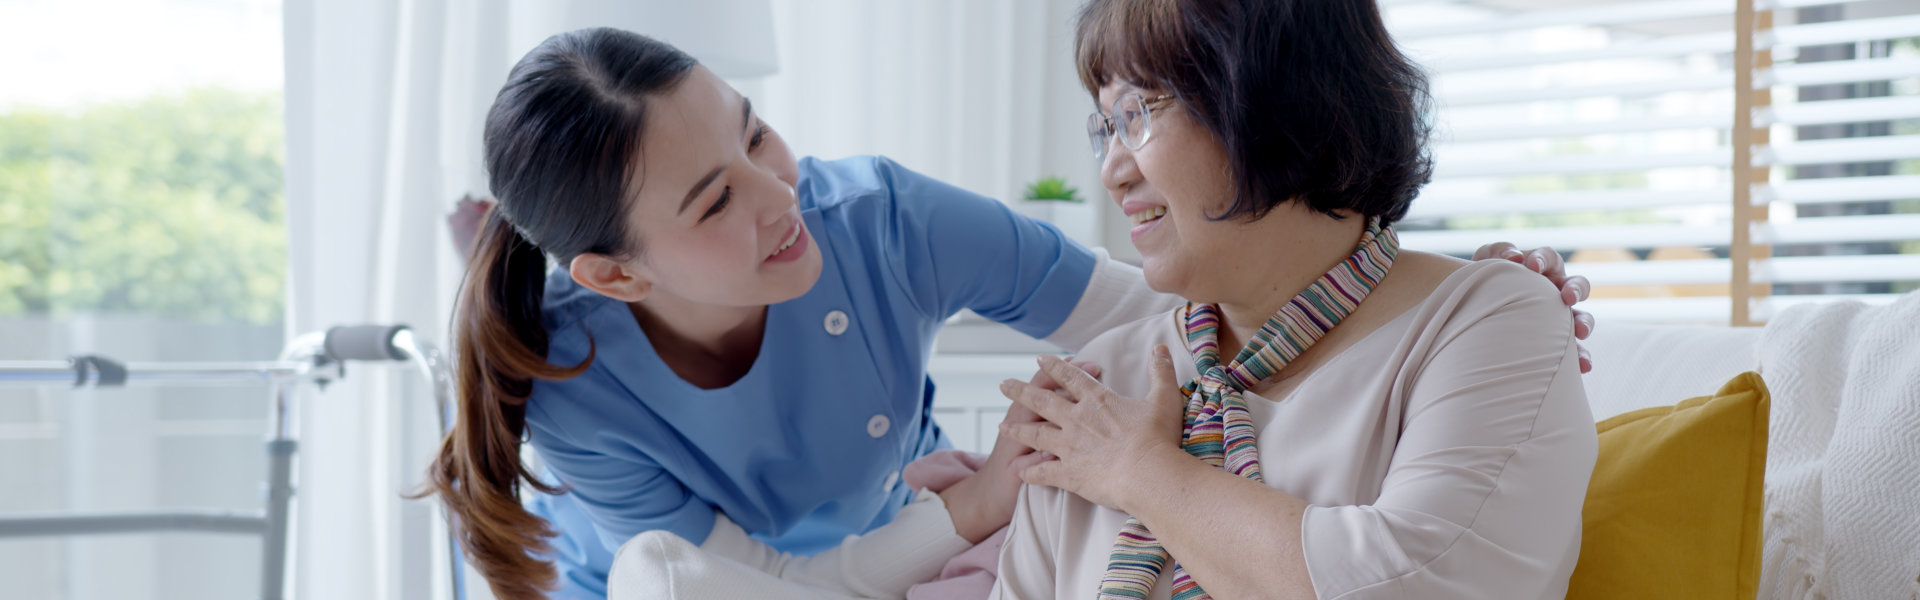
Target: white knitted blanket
(1843, 456)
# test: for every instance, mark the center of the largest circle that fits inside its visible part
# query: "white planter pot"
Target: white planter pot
(1075, 219)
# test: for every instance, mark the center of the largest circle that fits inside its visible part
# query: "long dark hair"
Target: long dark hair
(1311, 99)
(562, 141)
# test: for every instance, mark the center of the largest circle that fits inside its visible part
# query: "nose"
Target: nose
(1118, 169)
(776, 197)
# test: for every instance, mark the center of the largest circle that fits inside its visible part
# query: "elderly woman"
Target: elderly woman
(1339, 418)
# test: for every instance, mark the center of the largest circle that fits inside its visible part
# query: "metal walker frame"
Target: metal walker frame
(317, 358)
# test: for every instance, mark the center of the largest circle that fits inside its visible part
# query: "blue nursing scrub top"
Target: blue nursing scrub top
(807, 447)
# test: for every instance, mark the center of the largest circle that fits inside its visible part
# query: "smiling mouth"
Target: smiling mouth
(1148, 215)
(792, 236)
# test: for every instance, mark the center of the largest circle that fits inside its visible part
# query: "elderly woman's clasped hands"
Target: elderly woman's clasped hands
(1100, 443)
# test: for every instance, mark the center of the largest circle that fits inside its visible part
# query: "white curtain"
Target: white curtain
(384, 105)
(385, 101)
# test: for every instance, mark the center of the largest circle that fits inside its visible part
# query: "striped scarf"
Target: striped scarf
(1219, 430)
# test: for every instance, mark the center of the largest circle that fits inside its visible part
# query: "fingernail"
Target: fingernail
(1006, 386)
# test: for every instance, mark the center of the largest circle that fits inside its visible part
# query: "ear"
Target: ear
(609, 277)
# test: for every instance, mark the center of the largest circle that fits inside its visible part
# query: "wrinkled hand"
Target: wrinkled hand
(1573, 289)
(1021, 414)
(984, 502)
(1098, 439)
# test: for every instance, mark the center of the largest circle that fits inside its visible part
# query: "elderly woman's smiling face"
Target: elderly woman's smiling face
(1168, 188)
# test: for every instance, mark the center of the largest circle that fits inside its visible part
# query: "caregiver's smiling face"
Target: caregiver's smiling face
(714, 206)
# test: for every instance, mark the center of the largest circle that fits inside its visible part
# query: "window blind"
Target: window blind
(1612, 131)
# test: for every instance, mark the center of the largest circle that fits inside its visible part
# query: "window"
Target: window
(1608, 132)
(1606, 129)
(140, 219)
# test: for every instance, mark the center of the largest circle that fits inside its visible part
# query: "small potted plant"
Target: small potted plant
(1052, 189)
(1052, 200)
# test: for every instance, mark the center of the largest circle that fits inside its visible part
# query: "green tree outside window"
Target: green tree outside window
(171, 205)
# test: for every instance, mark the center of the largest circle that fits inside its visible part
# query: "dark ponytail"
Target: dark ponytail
(500, 348)
(562, 139)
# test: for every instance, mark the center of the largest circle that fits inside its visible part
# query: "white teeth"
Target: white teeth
(1148, 214)
(792, 237)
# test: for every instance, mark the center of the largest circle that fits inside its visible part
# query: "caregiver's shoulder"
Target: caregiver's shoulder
(826, 184)
(565, 303)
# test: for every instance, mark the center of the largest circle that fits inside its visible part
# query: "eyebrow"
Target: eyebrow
(1125, 88)
(746, 118)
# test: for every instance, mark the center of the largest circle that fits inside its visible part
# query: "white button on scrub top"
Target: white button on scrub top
(877, 426)
(892, 478)
(836, 322)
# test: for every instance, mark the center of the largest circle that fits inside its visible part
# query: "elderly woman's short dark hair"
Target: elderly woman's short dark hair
(1311, 99)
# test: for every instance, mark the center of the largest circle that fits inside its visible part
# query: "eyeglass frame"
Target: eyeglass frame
(1107, 128)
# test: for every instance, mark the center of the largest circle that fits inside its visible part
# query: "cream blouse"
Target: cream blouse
(1445, 455)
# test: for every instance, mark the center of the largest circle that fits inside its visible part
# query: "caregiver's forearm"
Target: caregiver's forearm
(1237, 537)
(882, 563)
(1117, 293)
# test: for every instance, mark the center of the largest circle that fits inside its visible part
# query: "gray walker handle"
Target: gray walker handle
(364, 342)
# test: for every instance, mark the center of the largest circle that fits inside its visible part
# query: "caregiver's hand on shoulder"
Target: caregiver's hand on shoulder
(463, 224)
(1573, 289)
(984, 502)
(1103, 442)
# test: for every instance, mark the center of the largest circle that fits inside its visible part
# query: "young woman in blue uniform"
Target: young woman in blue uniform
(735, 335)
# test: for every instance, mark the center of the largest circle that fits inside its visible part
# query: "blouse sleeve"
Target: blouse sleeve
(1483, 494)
(1027, 570)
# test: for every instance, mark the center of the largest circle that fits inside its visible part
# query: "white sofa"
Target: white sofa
(1638, 366)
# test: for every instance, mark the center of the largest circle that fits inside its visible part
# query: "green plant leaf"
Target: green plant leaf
(1052, 189)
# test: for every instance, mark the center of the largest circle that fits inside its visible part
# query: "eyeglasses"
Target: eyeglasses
(1132, 117)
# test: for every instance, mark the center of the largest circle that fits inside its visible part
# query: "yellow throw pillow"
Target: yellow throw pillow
(1674, 507)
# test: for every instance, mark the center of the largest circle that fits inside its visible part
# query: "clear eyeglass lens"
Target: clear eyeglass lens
(1097, 135)
(1130, 117)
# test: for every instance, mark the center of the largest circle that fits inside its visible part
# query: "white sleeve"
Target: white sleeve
(883, 563)
(1116, 294)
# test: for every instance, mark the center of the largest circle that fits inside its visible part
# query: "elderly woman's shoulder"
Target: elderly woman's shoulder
(1507, 277)
(1435, 284)
(1485, 288)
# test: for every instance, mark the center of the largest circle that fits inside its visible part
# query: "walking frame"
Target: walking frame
(317, 358)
